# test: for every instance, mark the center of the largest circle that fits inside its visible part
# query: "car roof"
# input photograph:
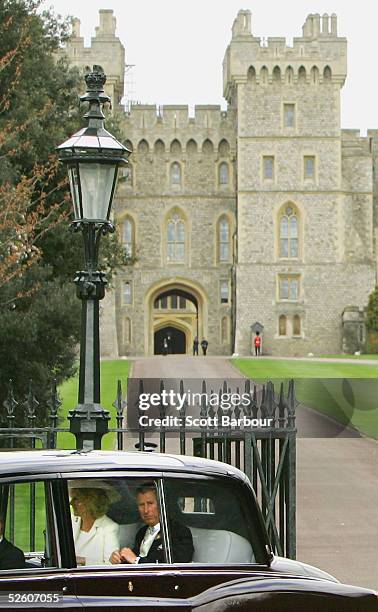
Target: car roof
(53, 461)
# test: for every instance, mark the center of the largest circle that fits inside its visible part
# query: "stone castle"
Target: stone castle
(262, 217)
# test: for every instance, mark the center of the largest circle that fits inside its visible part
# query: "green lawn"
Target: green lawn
(283, 368)
(111, 371)
(346, 392)
(369, 356)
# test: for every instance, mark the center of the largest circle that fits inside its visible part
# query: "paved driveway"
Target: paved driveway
(177, 366)
(337, 479)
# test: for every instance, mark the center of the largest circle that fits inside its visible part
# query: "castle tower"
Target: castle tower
(297, 266)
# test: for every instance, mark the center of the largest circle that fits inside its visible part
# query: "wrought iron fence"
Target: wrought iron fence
(267, 454)
(19, 422)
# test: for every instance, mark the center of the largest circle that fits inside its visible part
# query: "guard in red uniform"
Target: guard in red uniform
(257, 343)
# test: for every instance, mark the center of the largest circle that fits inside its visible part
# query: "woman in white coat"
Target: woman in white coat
(95, 534)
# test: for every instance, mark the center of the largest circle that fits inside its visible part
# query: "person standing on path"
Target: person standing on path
(257, 343)
(204, 345)
(195, 346)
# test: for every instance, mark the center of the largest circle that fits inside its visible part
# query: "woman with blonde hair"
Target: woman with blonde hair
(95, 534)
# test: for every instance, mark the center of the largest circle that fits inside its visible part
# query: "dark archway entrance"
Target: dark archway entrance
(176, 341)
(183, 294)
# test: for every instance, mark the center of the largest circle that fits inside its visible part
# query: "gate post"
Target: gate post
(291, 544)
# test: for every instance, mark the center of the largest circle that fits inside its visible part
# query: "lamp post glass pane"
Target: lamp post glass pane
(96, 188)
(74, 186)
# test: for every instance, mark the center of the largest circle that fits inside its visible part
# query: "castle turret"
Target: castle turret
(105, 50)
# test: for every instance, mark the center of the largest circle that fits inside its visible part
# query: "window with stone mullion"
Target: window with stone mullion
(176, 240)
(288, 288)
(289, 235)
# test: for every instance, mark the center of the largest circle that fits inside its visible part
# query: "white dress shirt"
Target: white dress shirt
(149, 537)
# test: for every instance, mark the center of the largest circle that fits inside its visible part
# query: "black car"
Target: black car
(145, 531)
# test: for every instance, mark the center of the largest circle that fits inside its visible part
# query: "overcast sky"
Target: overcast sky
(178, 47)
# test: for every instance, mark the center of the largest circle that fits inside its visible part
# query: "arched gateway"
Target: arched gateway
(177, 313)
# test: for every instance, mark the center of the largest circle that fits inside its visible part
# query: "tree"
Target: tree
(372, 312)
(38, 256)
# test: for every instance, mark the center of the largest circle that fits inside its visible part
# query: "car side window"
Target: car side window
(27, 539)
(210, 522)
(116, 521)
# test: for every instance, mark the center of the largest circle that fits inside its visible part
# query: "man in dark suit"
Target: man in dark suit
(11, 557)
(149, 546)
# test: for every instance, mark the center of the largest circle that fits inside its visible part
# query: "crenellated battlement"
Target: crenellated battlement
(162, 127)
(208, 116)
(322, 27)
(317, 26)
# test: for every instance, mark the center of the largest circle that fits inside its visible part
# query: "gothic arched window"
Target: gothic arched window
(327, 74)
(175, 148)
(277, 74)
(128, 236)
(191, 147)
(175, 174)
(288, 229)
(302, 74)
(208, 147)
(224, 148)
(314, 74)
(159, 147)
(143, 147)
(176, 238)
(223, 174)
(251, 75)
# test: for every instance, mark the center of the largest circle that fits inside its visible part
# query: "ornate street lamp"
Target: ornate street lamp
(92, 156)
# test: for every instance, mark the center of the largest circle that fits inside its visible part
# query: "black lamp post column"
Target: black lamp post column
(89, 421)
(92, 157)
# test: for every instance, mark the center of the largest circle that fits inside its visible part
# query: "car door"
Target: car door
(32, 560)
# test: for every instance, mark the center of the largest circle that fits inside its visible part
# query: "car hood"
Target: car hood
(280, 564)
